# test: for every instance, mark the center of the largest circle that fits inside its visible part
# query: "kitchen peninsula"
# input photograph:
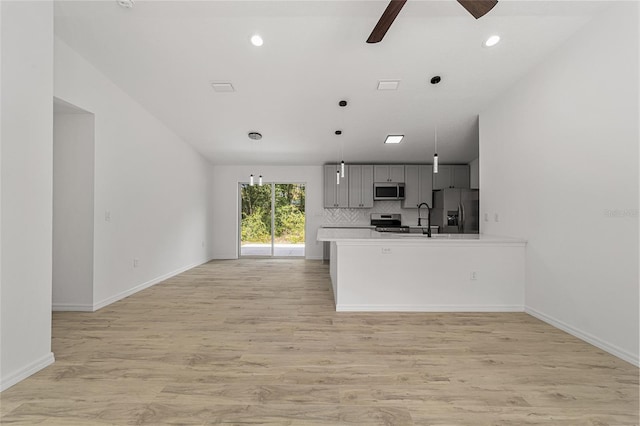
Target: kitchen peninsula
(374, 271)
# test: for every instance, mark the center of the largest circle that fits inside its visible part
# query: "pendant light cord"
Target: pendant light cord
(435, 137)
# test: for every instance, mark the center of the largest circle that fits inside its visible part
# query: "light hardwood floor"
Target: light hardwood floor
(259, 342)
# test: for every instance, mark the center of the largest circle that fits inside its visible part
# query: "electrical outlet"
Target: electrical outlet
(107, 216)
(136, 263)
(202, 243)
(473, 276)
(496, 217)
(386, 250)
(486, 217)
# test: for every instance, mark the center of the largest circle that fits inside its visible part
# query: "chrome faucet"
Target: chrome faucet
(428, 218)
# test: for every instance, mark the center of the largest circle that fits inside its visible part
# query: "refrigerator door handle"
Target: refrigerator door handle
(462, 218)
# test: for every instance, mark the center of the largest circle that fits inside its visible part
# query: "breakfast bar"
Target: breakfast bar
(376, 271)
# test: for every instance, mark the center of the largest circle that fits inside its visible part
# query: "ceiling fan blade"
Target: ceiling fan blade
(478, 8)
(390, 13)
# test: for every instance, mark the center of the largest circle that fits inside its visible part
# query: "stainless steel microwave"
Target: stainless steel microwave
(388, 191)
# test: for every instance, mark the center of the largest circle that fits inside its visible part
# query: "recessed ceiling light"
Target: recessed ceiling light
(256, 40)
(394, 138)
(388, 84)
(491, 41)
(222, 87)
(126, 3)
(255, 136)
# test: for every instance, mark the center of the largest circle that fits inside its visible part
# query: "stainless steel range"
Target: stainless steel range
(388, 222)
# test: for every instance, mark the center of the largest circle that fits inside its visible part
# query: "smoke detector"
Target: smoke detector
(255, 136)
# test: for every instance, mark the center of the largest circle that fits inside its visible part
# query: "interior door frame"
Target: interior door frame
(273, 220)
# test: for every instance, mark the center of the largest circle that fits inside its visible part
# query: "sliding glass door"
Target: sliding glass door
(272, 220)
(256, 224)
(289, 219)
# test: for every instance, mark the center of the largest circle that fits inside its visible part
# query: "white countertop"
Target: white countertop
(371, 236)
(342, 226)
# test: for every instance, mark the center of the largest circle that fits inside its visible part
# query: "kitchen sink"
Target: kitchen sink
(420, 229)
(441, 236)
(416, 235)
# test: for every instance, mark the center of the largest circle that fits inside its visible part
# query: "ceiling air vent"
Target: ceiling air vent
(222, 87)
(388, 84)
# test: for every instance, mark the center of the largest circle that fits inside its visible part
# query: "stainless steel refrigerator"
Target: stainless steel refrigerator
(456, 211)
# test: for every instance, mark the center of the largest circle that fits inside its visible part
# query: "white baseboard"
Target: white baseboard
(429, 308)
(313, 257)
(587, 337)
(71, 307)
(26, 371)
(140, 287)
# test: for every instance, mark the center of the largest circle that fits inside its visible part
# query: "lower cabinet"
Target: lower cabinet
(361, 186)
(418, 186)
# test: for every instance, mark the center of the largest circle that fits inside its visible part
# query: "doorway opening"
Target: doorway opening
(73, 207)
(272, 220)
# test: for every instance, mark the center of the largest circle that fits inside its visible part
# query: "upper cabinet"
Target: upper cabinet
(460, 176)
(361, 186)
(418, 186)
(388, 173)
(335, 195)
(355, 190)
(451, 176)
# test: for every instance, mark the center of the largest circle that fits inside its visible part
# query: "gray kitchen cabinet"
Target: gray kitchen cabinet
(418, 186)
(442, 179)
(451, 176)
(460, 177)
(388, 173)
(361, 186)
(335, 195)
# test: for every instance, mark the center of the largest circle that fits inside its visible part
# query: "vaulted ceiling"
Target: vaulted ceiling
(165, 54)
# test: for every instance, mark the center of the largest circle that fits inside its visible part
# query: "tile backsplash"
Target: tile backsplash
(363, 216)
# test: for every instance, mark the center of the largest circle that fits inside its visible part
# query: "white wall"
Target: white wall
(559, 165)
(154, 185)
(73, 197)
(226, 203)
(26, 163)
(474, 174)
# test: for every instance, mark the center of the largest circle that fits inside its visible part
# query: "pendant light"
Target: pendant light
(340, 171)
(435, 80)
(255, 136)
(342, 104)
(435, 154)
